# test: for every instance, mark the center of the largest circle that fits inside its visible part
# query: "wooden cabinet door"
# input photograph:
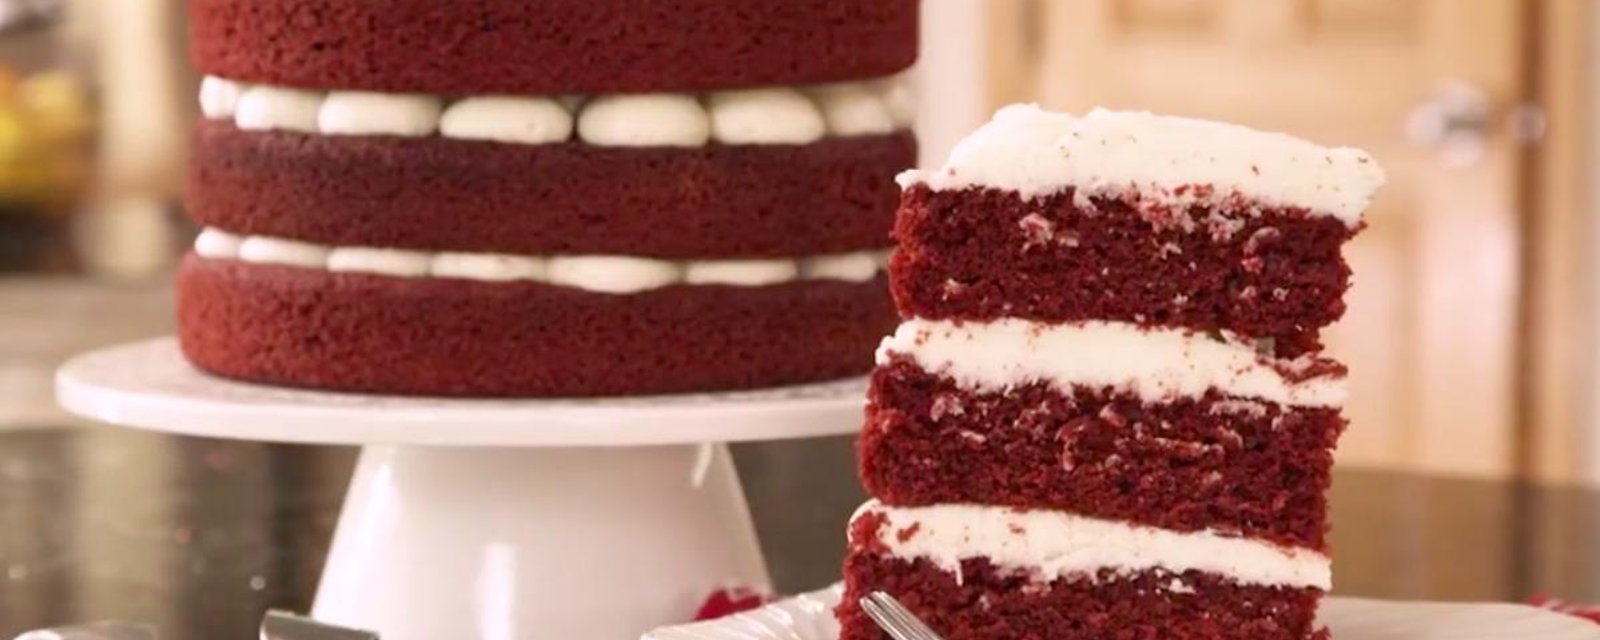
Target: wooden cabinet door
(1429, 335)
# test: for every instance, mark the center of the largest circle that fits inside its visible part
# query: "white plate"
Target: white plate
(810, 617)
(149, 385)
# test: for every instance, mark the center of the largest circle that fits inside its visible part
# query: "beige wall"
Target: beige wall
(949, 77)
(1590, 413)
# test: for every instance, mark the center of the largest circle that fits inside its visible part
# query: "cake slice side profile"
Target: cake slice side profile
(1106, 411)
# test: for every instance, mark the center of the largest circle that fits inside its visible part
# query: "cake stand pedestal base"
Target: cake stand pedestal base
(438, 542)
(588, 519)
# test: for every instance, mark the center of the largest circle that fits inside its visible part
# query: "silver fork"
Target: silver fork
(895, 619)
(282, 625)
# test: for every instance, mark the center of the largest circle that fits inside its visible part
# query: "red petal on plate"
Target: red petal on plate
(725, 602)
(1587, 611)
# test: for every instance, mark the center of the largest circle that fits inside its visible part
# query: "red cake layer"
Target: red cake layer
(447, 337)
(988, 603)
(985, 253)
(1186, 464)
(550, 46)
(832, 196)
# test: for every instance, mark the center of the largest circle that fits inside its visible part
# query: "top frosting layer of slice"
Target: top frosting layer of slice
(1160, 160)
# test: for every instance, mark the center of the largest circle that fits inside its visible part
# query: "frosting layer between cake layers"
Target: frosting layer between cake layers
(1046, 545)
(1161, 161)
(769, 115)
(1151, 362)
(601, 273)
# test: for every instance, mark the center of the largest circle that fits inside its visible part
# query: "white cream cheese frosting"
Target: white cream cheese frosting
(613, 274)
(1162, 159)
(216, 243)
(765, 116)
(1052, 544)
(900, 100)
(749, 273)
(1153, 363)
(266, 108)
(219, 97)
(599, 273)
(489, 267)
(365, 113)
(854, 109)
(760, 116)
(265, 250)
(854, 267)
(644, 120)
(389, 262)
(512, 119)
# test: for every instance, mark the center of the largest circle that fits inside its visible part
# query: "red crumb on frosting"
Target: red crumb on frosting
(907, 533)
(864, 532)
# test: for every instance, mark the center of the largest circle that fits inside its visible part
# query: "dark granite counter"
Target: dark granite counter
(200, 536)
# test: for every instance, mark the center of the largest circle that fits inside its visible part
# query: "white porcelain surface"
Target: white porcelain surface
(810, 617)
(149, 385)
(535, 543)
(533, 538)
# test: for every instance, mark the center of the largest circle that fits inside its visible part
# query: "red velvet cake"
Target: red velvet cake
(554, 198)
(1106, 413)
(551, 46)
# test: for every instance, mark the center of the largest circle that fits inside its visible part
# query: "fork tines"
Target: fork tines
(895, 619)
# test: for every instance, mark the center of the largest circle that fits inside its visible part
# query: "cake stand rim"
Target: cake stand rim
(166, 394)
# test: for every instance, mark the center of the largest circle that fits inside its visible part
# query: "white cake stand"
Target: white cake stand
(498, 519)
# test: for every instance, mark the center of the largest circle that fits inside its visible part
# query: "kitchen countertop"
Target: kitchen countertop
(201, 536)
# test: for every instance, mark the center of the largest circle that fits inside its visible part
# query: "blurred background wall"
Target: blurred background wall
(1470, 333)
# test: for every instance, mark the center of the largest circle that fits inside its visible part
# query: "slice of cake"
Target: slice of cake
(1106, 413)
(552, 198)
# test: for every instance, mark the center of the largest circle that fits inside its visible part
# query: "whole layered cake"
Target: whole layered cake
(1106, 413)
(553, 198)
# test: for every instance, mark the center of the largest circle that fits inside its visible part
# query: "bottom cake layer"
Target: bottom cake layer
(986, 603)
(981, 572)
(369, 333)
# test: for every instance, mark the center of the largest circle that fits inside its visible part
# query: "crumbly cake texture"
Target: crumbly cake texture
(982, 253)
(1105, 413)
(1242, 467)
(986, 603)
(551, 47)
(443, 337)
(832, 196)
